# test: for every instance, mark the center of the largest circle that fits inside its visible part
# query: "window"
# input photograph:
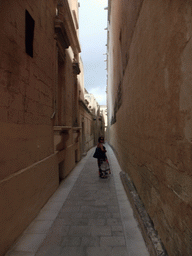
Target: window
(29, 33)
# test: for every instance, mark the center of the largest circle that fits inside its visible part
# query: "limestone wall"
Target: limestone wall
(22, 196)
(39, 107)
(87, 131)
(26, 86)
(150, 96)
(29, 168)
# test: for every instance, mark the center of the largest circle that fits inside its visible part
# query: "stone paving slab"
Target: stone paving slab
(86, 216)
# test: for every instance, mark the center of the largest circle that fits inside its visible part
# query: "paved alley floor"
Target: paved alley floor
(87, 216)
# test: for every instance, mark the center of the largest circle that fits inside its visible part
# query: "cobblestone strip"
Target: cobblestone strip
(134, 241)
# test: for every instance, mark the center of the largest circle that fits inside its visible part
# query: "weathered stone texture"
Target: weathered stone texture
(40, 116)
(26, 83)
(29, 169)
(154, 146)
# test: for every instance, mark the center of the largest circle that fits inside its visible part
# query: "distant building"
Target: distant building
(99, 122)
(103, 112)
(86, 119)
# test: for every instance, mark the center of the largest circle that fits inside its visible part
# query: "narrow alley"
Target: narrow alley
(55, 105)
(86, 216)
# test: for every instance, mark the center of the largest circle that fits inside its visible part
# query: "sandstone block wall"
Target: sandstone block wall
(150, 61)
(26, 85)
(29, 168)
(87, 131)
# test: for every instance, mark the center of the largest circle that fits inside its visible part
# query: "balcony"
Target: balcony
(76, 133)
(64, 25)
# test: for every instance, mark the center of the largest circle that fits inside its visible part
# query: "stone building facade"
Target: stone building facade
(103, 112)
(86, 119)
(40, 112)
(150, 109)
(98, 116)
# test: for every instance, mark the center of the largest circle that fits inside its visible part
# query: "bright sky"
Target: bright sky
(93, 38)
